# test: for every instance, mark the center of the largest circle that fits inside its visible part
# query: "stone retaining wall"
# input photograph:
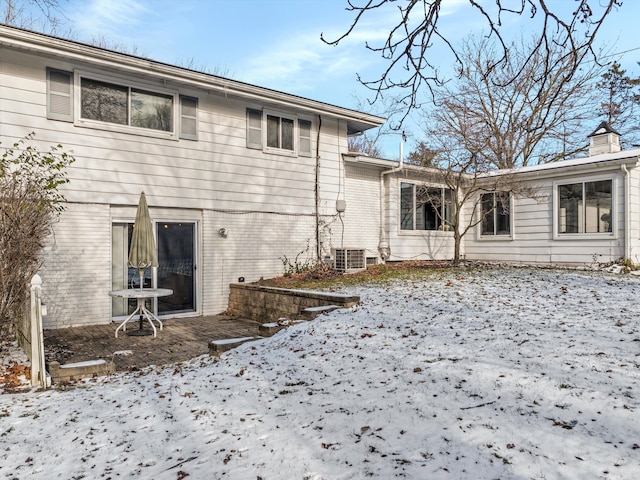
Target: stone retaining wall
(269, 304)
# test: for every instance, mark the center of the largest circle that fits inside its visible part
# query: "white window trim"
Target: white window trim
(280, 151)
(496, 238)
(96, 124)
(613, 235)
(414, 231)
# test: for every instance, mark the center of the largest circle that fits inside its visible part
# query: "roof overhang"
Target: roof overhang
(37, 43)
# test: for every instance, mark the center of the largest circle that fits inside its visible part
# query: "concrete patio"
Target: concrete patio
(180, 340)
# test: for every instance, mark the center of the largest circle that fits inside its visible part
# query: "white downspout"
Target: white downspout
(383, 247)
(627, 217)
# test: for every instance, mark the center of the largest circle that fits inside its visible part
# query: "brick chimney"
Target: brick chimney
(604, 139)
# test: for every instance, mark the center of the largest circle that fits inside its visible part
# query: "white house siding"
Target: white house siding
(361, 219)
(532, 240)
(413, 244)
(266, 201)
(255, 246)
(76, 275)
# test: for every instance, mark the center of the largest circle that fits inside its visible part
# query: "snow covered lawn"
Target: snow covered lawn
(480, 374)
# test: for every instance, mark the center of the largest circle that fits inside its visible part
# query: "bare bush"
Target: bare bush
(30, 203)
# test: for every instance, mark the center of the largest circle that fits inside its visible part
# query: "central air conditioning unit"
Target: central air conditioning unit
(349, 260)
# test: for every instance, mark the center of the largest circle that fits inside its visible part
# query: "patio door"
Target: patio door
(176, 266)
(176, 245)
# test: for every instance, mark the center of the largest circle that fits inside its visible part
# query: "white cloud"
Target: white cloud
(110, 18)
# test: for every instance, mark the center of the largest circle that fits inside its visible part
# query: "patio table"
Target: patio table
(141, 295)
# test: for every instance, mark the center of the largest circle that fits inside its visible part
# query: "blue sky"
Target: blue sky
(276, 43)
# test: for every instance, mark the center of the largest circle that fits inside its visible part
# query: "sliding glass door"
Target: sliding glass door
(176, 244)
(176, 266)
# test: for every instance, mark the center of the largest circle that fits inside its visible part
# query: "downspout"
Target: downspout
(627, 217)
(383, 247)
(317, 190)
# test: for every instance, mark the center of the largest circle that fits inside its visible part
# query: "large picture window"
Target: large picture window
(585, 207)
(122, 105)
(425, 208)
(496, 213)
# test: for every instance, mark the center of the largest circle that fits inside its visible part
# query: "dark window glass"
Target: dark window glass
(103, 101)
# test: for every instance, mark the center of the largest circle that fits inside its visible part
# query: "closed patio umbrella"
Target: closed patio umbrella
(142, 253)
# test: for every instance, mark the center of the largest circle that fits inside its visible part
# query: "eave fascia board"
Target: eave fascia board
(54, 46)
(552, 170)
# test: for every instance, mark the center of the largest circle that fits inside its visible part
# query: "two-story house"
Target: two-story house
(239, 179)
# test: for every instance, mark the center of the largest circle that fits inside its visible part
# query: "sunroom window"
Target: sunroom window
(425, 208)
(585, 207)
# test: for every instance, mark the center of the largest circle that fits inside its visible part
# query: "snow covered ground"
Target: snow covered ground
(480, 374)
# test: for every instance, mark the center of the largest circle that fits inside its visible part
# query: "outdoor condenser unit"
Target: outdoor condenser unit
(349, 260)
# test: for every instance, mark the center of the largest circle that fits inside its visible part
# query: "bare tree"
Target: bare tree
(532, 119)
(472, 194)
(42, 15)
(416, 30)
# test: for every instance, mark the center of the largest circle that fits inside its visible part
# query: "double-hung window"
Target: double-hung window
(425, 208)
(496, 213)
(585, 207)
(282, 133)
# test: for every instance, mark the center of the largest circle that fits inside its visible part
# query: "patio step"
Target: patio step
(312, 312)
(70, 372)
(270, 329)
(218, 347)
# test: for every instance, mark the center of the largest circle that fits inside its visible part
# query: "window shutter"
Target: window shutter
(304, 147)
(59, 95)
(189, 118)
(254, 129)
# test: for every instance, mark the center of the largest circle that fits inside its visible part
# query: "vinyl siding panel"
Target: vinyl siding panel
(361, 219)
(76, 275)
(533, 238)
(112, 167)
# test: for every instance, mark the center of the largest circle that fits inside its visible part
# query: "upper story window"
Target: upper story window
(425, 208)
(111, 105)
(282, 133)
(585, 207)
(496, 213)
(279, 132)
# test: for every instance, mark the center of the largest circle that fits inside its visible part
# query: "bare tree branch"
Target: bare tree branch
(514, 123)
(407, 53)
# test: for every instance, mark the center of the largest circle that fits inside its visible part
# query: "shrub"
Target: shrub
(30, 203)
